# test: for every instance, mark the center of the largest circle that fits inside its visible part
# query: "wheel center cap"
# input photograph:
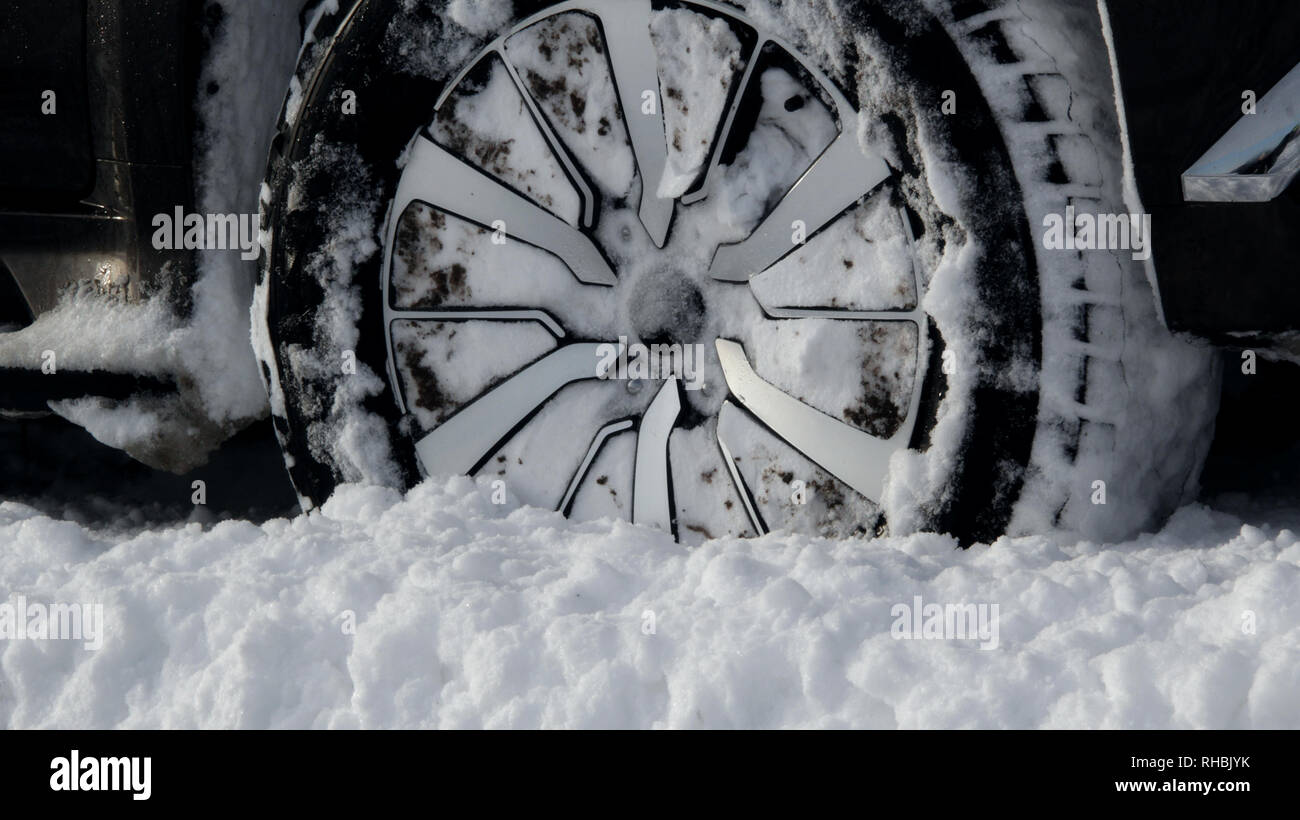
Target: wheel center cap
(667, 307)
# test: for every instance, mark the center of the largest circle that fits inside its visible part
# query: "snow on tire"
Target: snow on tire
(1127, 409)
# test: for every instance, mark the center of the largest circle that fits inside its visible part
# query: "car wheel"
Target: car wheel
(697, 267)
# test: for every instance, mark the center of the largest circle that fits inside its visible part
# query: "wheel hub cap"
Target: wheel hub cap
(640, 266)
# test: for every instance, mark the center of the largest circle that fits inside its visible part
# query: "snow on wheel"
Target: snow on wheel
(490, 277)
(680, 263)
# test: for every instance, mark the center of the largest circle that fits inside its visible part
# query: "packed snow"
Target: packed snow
(443, 609)
(243, 84)
(692, 50)
(562, 62)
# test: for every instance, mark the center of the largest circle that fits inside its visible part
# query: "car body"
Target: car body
(1225, 270)
(98, 131)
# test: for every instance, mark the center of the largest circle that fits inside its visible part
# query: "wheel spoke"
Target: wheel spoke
(558, 148)
(580, 474)
(901, 315)
(728, 416)
(541, 317)
(859, 459)
(841, 176)
(461, 443)
(441, 179)
(724, 134)
(651, 497)
(636, 71)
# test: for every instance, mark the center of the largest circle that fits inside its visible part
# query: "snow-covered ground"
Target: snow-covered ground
(445, 610)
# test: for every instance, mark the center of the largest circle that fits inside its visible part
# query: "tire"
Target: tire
(993, 302)
(1127, 410)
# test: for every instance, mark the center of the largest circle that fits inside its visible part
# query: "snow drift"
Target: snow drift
(445, 610)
